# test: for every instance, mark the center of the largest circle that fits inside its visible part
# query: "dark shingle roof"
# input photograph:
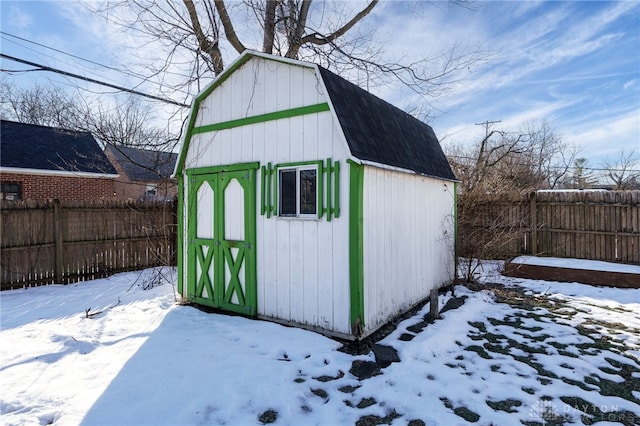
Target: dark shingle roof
(377, 131)
(28, 146)
(144, 164)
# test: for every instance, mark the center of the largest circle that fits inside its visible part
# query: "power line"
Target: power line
(122, 71)
(129, 73)
(91, 80)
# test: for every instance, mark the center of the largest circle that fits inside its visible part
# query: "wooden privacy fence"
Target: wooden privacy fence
(596, 225)
(54, 242)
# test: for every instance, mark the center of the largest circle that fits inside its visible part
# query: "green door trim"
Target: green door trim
(356, 248)
(220, 288)
(181, 240)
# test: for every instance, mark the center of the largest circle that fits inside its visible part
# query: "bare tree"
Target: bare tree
(534, 158)
(496, 176)
(581, 177)
(112, 120)
(44, 106)
(623, 170)
(199, 35)
(124, 123)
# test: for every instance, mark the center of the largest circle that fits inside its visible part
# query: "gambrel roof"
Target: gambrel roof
(378, 131)
(144, 164)
(49, 149)
(375, 131)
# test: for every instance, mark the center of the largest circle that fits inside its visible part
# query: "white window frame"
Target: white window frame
(151, 191)
(298, 214)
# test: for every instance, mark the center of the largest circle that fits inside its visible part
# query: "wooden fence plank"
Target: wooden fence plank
(48, 242)
(587, 225)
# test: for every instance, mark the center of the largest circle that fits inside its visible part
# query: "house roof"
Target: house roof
(28, 146)
(144, 164)
(375, 130)
(382, 133)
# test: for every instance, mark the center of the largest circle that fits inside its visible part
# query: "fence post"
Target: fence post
(534, 224)
(57, 231)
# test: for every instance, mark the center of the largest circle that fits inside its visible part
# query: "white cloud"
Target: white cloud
(18, 18)
(610, 136)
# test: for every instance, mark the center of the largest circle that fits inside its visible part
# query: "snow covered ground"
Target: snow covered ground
(531, 352)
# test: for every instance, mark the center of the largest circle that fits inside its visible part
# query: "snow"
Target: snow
(144, 359)
(589, 265)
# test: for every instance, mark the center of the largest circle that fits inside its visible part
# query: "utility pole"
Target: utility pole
(486, 125)
(480, 169)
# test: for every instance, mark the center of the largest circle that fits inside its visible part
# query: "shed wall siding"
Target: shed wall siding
(408, 241)
(258, 87)
(302, 265)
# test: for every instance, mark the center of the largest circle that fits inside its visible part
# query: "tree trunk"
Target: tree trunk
(269, 26)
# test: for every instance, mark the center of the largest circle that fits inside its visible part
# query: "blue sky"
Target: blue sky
(574, 64)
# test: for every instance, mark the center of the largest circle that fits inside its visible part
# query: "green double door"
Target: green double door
(222, 238)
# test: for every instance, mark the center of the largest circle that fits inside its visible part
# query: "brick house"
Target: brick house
(40, 163)
(143, 174)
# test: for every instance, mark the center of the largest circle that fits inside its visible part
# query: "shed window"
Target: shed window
(11, 191)
(298, 192)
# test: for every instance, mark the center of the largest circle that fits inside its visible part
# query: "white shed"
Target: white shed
(306, 200)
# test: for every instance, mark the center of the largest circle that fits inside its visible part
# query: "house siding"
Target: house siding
(64, 188)
(408, 241)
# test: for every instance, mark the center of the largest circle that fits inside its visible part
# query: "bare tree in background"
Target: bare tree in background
(201, 37)
(623, 170)
(496, 175)
(125, 122)
(581, 177)
(119, 124)
(44, 106)
(534, 158)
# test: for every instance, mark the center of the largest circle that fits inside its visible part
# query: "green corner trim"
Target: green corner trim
(277, 115)
(455, 227)
(356, 247)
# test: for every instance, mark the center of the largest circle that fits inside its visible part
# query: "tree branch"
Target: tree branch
(320, 39)
(269, 26)
(209, 47)
(229, 31)
(296, 41)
